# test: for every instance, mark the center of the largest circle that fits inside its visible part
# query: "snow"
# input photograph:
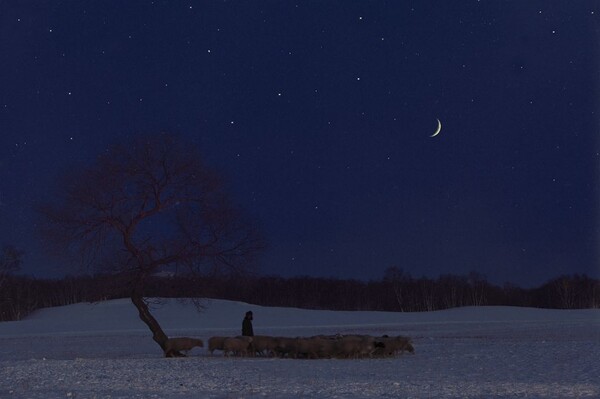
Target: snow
(103, 350)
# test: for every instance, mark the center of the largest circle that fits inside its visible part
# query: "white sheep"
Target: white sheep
(264, 345)
(325, 347)
(238, 346)
(285, 346)
(355, 346)
(390, 346)
(215, 343)
(181, 344)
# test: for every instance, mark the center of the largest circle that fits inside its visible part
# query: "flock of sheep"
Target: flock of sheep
(317, 347)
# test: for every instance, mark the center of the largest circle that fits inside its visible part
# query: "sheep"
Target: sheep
(215, 343)
(285, 346)
(181, 344)
(306, 347)
(404, 344)
(264, 345)
(327, 347)
(239, 346)
(356, 346)
(317, 347)
(390, 346)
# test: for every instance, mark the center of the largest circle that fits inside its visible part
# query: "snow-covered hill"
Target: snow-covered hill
(104, 350)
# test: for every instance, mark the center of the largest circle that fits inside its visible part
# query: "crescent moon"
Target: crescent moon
(438, 130)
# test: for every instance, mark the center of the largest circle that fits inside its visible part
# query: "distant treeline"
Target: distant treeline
(397, 292)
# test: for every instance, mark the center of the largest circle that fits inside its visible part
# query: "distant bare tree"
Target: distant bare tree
(399, 282)
(10, 262)
(451, 290)
(566, 292)
(479, 284)
(147, 205)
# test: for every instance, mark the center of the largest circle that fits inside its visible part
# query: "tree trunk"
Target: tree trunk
(158, 334)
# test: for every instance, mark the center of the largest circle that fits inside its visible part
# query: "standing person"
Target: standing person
(247, 325)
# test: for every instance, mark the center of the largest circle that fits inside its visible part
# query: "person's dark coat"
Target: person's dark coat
(247, 325)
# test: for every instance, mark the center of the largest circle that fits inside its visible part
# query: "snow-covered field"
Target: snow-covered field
(103, 351)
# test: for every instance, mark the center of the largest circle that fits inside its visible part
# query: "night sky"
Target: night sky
(319, 114)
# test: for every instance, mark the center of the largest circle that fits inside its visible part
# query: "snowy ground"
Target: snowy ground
(104, 351)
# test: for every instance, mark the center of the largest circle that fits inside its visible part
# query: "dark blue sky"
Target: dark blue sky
(319, 113)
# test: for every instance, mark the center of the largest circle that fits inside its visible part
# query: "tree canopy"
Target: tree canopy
(147, 204)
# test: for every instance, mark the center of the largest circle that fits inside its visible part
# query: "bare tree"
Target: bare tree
(10, 262)
(145, 206)
(566, 292)
(479, 284)
(399, 281)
